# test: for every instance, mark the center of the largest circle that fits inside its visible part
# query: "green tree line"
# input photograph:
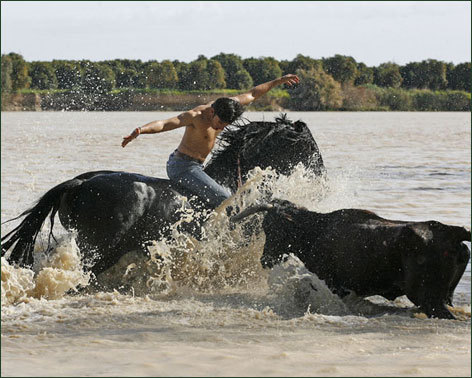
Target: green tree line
(338, 82)
(223, 71)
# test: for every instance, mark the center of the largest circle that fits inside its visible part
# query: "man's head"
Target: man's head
(227, 111)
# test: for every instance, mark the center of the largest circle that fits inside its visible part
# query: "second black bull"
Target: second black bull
(356, 250)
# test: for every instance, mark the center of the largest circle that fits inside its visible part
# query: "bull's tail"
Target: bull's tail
(249, 211)
(23, 237)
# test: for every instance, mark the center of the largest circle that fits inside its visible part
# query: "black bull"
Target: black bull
(356, 250)
(116, 212)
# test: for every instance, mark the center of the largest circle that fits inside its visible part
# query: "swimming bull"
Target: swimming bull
(356, 250)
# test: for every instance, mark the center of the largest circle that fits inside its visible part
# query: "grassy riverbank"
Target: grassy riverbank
(128, 100)
(360, 98)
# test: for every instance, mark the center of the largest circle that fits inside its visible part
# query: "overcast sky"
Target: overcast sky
(371, 32)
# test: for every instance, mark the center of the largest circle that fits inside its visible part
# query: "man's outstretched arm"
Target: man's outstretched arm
(184, 119)
(261, 89)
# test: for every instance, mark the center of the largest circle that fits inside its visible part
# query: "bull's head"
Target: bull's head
(279, 221)
(434, 260)
(282, 146)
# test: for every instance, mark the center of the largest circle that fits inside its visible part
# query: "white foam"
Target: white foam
(227, 260)
(299, 291)
(52, 277)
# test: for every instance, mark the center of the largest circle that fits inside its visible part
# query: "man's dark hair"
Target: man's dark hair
(227, 109)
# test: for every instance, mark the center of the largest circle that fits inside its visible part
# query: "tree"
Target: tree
(412, 78)
(195, 76)
(128, 73)
(302, 62)
(459, 77)
(317, 91)
(435, 72)
(365, 75)
(98, 78)
(388, 75)
(7, 69)
(42, 75)
(243, 80)
(428, 74)
(126, 78)
(68, 74)
(136, 65)
(216, 74)
(19, 76)
(179, 66)
(162, 75)
(182, 68)
(202, 74)
(262, 69)
(232, 64)
(342, 68)
(284, 66)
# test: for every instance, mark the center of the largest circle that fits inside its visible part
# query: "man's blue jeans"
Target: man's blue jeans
(189, 173)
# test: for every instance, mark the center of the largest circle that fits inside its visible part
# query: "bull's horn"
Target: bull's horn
(249, 211)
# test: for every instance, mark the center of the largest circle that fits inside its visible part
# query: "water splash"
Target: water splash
(225, 261)
(52, 276)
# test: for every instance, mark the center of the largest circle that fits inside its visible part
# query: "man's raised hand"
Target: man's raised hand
(290, 79)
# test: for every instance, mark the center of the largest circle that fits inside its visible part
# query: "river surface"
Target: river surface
(221, 314)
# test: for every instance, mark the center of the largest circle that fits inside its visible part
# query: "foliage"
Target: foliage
(234, 70)
(316, 91)
(7, 70)
(421, 99)
(337, 82)
(301, 62)
(426, 100)
(97, 78)
(388, 75)
(68, 74)
(426, 74)
(365, 75)
(342, 68)
(435, 71)
(202, 74)
(161, 75)
(195, 76)
(263, 69)
(457, 101)
(360, 98)
(42, 75)
(20, 78)
(216, 75)
(394, 99)
(243, 80)
(127, 78)
(459, 77)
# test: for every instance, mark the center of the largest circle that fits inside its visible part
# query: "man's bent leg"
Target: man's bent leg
(190, 175)
(197, 181)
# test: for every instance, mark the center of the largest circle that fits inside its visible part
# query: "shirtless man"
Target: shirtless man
(202, 126)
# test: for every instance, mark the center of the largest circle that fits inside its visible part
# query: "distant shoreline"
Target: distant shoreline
(363, 99)
(122, 101)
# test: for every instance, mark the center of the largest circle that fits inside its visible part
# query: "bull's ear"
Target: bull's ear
(299, 126)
